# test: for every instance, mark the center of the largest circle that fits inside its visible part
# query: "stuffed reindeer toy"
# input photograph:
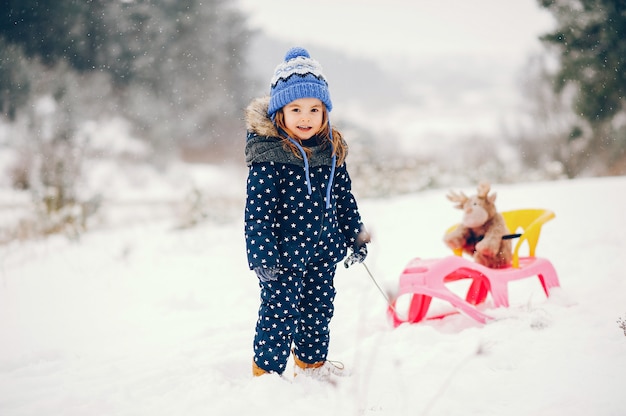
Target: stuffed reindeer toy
(482, 229)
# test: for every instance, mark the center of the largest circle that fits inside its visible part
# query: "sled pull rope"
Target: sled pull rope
(382, 292)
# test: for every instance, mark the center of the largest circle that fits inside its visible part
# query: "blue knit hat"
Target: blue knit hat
(299, 76)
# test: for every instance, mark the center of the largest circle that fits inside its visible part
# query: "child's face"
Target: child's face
(303, 117)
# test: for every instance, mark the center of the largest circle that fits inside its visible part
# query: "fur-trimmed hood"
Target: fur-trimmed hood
(257, 120)
(264, 143)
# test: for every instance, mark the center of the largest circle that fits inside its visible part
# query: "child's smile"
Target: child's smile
(303, 117)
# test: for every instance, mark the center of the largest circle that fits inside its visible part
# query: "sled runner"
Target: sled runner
(425, 279)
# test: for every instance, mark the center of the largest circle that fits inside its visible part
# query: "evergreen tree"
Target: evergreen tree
(591, 39)
(176, 66)
(591, 42)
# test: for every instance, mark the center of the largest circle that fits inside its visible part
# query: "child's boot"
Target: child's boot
(321, 370)
(256, 370)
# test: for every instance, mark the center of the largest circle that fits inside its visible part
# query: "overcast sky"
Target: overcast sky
(413, 29)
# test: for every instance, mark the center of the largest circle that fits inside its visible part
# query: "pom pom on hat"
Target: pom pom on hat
(299, 76)
(293, 53)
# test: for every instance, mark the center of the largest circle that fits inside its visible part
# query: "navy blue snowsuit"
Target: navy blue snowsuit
(292, 224)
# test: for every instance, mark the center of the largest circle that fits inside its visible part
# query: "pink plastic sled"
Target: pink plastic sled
(427, 278)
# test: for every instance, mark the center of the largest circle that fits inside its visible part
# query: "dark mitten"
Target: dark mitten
(266, 274)
(358, 255)
(359, 251)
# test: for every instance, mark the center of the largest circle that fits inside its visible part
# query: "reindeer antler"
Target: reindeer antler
(483, 189)
(459, 197)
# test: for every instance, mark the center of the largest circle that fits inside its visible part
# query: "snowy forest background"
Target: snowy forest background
(99, 97)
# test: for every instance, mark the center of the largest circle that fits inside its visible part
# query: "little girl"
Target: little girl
(300, 217)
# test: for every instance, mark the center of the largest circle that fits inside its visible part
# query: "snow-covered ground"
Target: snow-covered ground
(150, 319)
